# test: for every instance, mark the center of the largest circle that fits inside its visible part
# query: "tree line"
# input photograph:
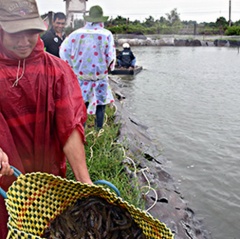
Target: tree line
(170, 24)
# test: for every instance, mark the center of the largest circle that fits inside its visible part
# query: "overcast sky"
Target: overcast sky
(198, 10)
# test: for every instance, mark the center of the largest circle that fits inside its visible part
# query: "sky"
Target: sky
(197, 10)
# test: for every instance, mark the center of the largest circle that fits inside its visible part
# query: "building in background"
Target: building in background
(74, 7)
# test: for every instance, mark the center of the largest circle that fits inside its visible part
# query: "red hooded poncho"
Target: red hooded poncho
(38, 114)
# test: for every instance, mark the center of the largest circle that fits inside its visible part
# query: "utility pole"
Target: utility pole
(230, 21)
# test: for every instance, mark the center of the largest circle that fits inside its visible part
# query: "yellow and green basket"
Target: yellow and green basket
(36, 198)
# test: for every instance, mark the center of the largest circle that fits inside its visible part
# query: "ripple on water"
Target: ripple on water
(189, 98)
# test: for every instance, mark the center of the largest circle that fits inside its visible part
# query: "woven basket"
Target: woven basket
(36, 198)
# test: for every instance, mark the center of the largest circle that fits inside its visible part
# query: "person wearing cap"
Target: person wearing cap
(42, 112)
(54, 37)
(91, 53)
(126, 57)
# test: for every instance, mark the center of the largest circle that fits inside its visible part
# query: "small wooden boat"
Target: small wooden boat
(126, 71)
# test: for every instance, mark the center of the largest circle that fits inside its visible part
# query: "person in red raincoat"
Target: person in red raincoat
(42, 111)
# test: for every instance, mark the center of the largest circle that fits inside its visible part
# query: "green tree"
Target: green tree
(149, 22)
(221, 22)
(233, 30)
(171, 24)
(191, 22)
(173, 17)
(163, 20)
(237, 23)
(119, 21)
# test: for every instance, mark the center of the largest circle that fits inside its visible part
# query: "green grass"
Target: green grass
(105, 158)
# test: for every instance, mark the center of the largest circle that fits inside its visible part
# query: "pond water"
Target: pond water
(189, 98)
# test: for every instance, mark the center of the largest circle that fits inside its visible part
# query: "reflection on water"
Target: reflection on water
(189, 98)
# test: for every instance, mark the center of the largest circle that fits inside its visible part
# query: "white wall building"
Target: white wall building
(74, 7)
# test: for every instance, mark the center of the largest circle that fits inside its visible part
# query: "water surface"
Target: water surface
(189, 98)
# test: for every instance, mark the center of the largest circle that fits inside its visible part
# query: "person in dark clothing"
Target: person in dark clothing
(54, 37)
(126, 58)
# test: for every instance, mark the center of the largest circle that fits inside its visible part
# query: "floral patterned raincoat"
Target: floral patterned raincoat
(90, 51)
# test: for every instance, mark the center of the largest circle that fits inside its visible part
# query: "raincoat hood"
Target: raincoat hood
(9, 58)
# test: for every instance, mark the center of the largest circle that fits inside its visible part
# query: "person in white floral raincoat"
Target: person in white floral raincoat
(91, 53)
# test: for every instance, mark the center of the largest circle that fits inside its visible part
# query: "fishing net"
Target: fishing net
(36, 199)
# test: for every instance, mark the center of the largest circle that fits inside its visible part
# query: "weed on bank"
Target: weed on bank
(105, 158)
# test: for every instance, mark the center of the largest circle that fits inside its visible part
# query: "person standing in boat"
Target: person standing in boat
(126, 57)
(91, 53)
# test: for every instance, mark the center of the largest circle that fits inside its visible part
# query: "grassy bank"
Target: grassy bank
(105, 158)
